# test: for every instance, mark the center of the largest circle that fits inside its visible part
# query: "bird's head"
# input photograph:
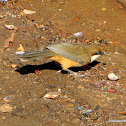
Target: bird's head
(96, 52)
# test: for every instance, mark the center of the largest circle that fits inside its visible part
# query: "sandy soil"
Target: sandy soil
(24, 84)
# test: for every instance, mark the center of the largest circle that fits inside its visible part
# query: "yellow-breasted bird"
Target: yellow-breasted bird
(68, 55)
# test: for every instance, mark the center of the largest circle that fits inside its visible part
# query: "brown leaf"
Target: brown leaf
(20, 48)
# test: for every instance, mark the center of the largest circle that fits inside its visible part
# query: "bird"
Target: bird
(66, 54)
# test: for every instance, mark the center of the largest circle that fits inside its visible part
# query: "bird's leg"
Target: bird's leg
(59, 71)
(84, 67)
(74, 73)
(71, 73)
(88, 66)
(96, 66)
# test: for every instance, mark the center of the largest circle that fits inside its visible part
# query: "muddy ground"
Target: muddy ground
(22, 87)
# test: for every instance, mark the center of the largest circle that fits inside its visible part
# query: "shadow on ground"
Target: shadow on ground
(52, 66)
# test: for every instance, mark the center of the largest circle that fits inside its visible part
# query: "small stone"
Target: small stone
(112, 76)
(53, 95)
(14, 66)
(8, 98)
(103, 9)
(10, 27)
(6, 108)
(78, 34)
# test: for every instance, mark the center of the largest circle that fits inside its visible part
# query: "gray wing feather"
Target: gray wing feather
(70, 51)
(36, 54)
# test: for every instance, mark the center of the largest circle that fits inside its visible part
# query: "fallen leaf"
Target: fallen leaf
(28, 11)
(20, 48)
(67, 100)
(8, 98)
(14, 66)
(38, 26)
(123, 112)
(111, 90)
(37, 72)
(7, 66)
(8, 41)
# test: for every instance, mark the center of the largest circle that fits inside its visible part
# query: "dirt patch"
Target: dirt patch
(90, 100)
(122, 2)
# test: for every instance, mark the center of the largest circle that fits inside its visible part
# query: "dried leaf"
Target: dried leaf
(122, 112)
(20, 48)
(14, 66)
(28, 11)
(8, 41)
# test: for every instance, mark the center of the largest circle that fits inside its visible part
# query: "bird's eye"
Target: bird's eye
(98, 52)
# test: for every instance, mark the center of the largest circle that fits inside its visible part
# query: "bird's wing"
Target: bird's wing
(70, 51)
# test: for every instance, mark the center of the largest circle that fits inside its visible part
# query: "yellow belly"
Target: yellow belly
(65, 63)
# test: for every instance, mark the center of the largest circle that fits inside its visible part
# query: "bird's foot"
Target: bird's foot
(59, 71)
(74, 73)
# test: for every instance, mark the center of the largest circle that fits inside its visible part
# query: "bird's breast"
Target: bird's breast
(65, 62)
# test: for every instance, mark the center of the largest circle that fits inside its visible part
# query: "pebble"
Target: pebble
(14, 66)
(4, 0)
(10, 27)
(1, 16)
(8, 98)
(111, 90)
(53, 95)
(97, 30)
(85, 112)
(116, 53)
(104, 22)
(6, 108)
(78, 34)
(112, 77)
(103, 9)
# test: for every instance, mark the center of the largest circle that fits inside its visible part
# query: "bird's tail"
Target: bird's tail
(30, 55)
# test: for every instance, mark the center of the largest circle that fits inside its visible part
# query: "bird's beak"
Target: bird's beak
(104, 53)
(93, 58)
